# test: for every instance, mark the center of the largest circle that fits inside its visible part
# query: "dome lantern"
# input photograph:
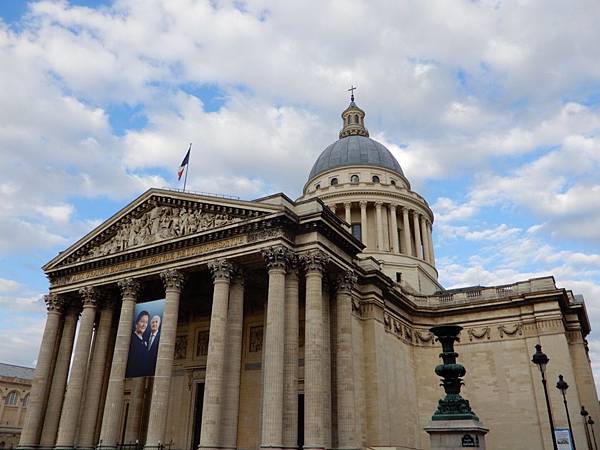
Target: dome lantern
(354, 119)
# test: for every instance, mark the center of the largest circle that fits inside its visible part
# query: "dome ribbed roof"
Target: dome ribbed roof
(355, 151)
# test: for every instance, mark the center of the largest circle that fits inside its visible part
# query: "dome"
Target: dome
(355, 151)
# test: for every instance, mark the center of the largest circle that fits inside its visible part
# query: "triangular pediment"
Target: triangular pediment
(158, 216)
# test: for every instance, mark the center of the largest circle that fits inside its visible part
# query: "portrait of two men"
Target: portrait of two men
(145, 339)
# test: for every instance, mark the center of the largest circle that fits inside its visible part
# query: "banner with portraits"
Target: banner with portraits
(145, 339)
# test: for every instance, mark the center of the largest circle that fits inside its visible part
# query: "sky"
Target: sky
(492, 109)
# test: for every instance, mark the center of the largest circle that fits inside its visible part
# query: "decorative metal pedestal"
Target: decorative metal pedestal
(454, 425)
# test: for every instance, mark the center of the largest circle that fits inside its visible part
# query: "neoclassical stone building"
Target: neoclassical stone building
(294, 323)
(15, 384)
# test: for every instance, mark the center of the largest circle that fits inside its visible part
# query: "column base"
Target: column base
(313, 447)
(456, 434)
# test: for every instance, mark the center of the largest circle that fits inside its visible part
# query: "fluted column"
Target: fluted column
(418, 246)
(348, 212)
(314, 436)
(394, 229)
(30, 434)
(346, 409)
(290, 359)
(96, 377)
(425, 232)
(326, 365)
(113, 405)
(277, 259)
(406, 230)
(430, 235)
(379, 219)
(70, 415)
(221, 271)
(363, 222)
(59, 379)
(157, 421)
(233, 361)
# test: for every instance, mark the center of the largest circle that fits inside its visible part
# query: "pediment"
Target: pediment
(158, 216)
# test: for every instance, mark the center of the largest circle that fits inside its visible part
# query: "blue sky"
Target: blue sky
(491, 109)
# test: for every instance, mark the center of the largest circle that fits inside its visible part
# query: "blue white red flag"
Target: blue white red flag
(184, 163)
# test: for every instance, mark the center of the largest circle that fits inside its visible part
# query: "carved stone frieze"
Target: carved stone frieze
(356, 305)
(256, 339)
(510, 330)
(159, 223)
(172, 279)
(129, 287)
(180, 347)
(387, 321)
(202, 343)
(475, 333)
(424, 336)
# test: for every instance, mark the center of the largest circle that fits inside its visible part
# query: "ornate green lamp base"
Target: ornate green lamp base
(453, 407)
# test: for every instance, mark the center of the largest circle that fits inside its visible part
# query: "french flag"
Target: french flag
(184, 163)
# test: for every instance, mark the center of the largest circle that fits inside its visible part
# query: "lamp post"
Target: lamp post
(562, 386)
(541, 360)
(591, 424)
(584, 414)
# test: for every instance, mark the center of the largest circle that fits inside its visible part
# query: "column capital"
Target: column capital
(346, 281)
(221, 269)
(406, 209)
(277, 257)
(378, 204)
(392, 207)
(129, 287)
(347, 204)
(363, 203)
(315, 261)
(54, 303)
(238, 274)
(172, 279)
(90, 296)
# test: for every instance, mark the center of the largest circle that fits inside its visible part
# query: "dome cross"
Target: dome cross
(351, 90)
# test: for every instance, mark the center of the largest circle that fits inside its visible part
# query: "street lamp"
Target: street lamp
(591, 424)
(541, 360)
(563, 386)
(584, 414)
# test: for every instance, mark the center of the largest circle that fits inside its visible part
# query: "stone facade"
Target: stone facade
(293, 323)
(15, 386)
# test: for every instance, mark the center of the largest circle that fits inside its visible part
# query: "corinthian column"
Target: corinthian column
(59, 379)
(113, 406)
(426, 251)
(30, 434)
(346, 420)
(276, 259)
(406, 230)
(348, 212)
(210, 437)
(363, 222)
(290, 358)
(157, 421)
(431, 251)
(379, 217)
(394, 229)
(233, 361)
(314, 435)
(96, 377)
(416, 226)
(69, 418)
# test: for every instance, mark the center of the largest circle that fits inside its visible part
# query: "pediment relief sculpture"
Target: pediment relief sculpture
(157, 224)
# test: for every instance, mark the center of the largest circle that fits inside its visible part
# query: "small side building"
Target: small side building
(15, 384)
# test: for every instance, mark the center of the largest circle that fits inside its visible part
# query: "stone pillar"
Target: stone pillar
(426, 252)
(221, 271)
(59, 379)
(277, 259)
(348, 212)
(70, 415)
(394, 229)
(326, 365)
(95, 380)
(136, 407)
(113, 405)
(346, 408)
(406, 230)
(290, 359)
(314, 437)
(363, 222)
(233, 361)
(157, 421)
(418, 246)
(379, 218)
(431, 251)
(30, 434)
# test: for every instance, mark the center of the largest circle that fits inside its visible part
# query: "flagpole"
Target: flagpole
(188, 167)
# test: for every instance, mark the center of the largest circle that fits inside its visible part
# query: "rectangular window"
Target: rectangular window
(398, 277)
(356, 231)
